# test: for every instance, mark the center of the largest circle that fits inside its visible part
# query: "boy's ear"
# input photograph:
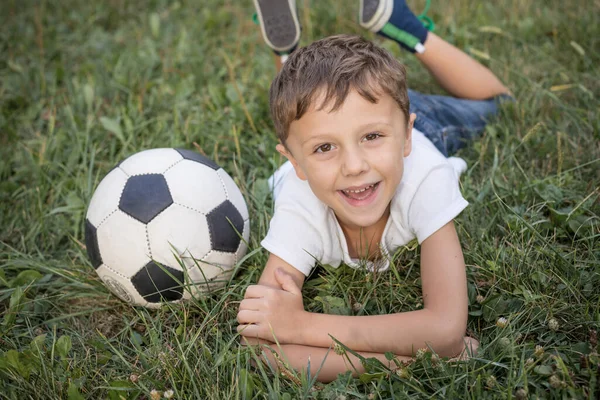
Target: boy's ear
(284, 152)
(408, 139)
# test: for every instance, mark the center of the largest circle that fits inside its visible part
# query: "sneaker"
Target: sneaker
(279, 24)
(374, 14)
(393, 20)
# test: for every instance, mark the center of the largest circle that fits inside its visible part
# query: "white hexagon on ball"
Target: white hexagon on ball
(106, 196)
(122, 244)
(154, 161)
(195, 185)
(178, 234)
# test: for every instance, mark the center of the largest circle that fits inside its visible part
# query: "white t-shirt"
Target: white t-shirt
(304, 230)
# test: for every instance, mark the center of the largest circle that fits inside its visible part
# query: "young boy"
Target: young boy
(367, 173)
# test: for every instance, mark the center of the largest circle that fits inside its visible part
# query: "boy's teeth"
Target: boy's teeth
(358, 190)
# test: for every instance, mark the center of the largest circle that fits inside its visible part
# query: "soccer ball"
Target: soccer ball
(166, 225)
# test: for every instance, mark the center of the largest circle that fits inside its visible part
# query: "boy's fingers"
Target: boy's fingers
(248, 330)
(255, 291)
(286, 281)
(248, 317)
(248, 341)
(251, 304)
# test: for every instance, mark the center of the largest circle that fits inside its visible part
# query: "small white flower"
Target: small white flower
(555, 382)
(521, 394)
(502, 322)
(403, 373)
(553, 324)
(480, 298)
(518, 337)
(529, 362)
(155, 394)
(338, 349)
(539, 351)
(505, 343)
(490, 382)
(168, 394)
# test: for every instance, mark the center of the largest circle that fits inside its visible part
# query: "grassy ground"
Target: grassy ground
(84, 84)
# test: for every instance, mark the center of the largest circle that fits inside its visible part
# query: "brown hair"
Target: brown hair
(334, 65)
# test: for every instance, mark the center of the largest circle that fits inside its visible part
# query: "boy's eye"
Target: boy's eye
(372, 136)
(324, 148)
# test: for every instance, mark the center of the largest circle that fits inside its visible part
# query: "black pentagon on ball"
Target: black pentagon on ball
(145, 196)
(226, 225)
(156, 282)
(192, 155)
(91, 244)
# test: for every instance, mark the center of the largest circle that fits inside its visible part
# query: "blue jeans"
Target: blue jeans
(449, 122)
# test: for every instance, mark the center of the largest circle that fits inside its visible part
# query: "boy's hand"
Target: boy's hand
(247, 341)
(268, 313)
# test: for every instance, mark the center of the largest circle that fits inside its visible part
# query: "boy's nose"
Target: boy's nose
(354, 163)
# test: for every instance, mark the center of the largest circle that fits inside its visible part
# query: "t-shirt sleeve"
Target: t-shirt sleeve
(436, 202)
(293, 238)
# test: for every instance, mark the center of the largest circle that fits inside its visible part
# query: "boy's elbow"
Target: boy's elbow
(454, 346)
(452, 341)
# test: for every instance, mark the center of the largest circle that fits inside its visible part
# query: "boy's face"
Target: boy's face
(352, 158)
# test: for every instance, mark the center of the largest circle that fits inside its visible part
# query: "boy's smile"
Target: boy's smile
(352, 157)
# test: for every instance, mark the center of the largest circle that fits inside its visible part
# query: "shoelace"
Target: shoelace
(425, 19)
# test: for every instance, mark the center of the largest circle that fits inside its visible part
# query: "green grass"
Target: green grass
(84, 84)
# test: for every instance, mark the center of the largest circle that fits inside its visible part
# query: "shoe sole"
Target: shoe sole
(278, 23)
(374, 14)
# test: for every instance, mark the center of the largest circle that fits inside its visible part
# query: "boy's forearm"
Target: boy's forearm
(401, 333)
(441, 324)
(297, 357)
